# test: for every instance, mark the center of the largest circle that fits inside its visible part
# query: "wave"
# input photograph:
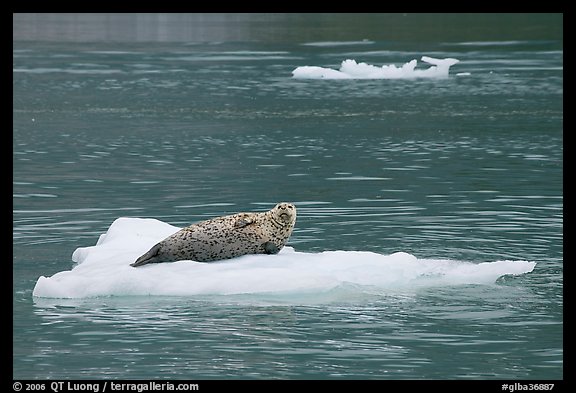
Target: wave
(350, 69)
(103, 270)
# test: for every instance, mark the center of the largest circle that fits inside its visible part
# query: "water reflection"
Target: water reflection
(376, 338)
(317, 30)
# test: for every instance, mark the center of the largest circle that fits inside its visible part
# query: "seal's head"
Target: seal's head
(284, 215)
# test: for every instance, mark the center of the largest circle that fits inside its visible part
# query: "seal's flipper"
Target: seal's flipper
(150, 257)
(271, 248)
(244, 222)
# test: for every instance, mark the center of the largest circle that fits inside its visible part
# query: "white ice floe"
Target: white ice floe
(104, 270)
(350, 69)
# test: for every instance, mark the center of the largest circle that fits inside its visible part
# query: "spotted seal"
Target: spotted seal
(226, 237)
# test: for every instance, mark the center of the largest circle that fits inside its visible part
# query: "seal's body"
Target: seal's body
(226, 237)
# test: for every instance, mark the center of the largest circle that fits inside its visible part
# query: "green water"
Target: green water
(467, 168)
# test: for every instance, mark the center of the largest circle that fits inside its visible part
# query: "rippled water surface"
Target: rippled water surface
(466, 168)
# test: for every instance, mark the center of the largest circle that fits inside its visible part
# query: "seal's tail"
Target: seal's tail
(150, 257)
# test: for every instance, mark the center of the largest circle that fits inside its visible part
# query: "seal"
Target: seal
(226, 237)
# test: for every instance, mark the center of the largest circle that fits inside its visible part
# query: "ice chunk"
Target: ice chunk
(350, 69)
(104, 270)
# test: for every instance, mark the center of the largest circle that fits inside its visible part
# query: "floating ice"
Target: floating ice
(350, 69)
(104, 270)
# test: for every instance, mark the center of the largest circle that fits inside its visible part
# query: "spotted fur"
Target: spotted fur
(226, 237)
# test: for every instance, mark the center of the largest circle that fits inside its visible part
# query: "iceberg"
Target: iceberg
(104, 270)
(350, 69)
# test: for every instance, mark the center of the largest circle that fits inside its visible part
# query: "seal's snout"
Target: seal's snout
(286, 212)
(284, 215)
